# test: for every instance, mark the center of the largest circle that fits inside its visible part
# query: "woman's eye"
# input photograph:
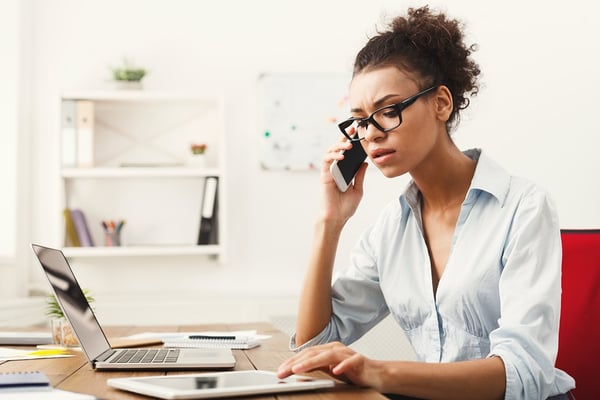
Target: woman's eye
(361, 123)
(391, 113)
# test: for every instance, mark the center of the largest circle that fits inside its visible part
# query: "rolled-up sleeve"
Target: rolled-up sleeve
(527, 335)
(357, 301)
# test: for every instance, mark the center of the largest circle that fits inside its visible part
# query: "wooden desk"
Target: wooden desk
(75, 373)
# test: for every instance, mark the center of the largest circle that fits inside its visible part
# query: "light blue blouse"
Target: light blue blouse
(499, 293)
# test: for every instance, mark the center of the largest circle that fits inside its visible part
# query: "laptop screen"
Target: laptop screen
(72, 301)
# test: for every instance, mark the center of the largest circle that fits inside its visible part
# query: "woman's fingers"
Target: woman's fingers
(324, 357)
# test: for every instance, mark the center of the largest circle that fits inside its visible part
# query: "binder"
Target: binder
(85, 133)
(81, 226)
(68, 134)
(71, 238)
(209, 224)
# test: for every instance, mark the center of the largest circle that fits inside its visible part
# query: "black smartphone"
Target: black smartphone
(343, 171)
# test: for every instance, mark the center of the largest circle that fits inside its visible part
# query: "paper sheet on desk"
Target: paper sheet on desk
(7, 354)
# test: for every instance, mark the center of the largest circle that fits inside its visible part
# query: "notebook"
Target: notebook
(214, 342)
(33, 385)
(92, 339)
(25, 379)
(217, 384)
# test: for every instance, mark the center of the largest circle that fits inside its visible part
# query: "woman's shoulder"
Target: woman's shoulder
(507, 187)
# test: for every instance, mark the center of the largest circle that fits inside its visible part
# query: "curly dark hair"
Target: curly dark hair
(432, 47)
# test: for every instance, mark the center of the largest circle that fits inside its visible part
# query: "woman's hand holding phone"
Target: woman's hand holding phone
(343, 169)
(341, 205)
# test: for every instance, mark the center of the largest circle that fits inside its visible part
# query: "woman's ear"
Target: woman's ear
(443, 103)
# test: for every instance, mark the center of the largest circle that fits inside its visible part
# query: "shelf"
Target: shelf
(139, 172)
(129, 251)
(141, 169)
(136, 95)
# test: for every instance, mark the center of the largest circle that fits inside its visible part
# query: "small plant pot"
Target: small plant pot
(128, 85)
(197, 160)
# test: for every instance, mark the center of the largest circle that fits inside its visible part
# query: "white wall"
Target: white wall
(14, 139)
(9, 48)
(535, 113)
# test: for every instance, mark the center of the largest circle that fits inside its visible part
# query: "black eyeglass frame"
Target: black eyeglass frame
(398, 107)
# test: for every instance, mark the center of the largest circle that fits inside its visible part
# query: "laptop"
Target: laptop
(93, 341)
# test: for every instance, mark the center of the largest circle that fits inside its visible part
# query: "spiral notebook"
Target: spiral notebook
(214, 342)
(34, 385)
(25, 379)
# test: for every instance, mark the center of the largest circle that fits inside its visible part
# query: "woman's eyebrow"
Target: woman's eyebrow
(377, 104)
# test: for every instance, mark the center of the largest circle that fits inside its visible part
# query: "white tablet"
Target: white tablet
(217, 384)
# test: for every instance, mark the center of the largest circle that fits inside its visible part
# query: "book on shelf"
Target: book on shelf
(209, 222)
(68, 134)
(85, 133)
(82, 229)
(77, 133)
(71, 238)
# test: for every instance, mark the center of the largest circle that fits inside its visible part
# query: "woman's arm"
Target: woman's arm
(314, 310)
(475, 379)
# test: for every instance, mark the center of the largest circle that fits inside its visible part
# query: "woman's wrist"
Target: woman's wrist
(329, 226)
(381, 374)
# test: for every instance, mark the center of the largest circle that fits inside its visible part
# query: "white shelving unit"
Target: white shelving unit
(142, 172)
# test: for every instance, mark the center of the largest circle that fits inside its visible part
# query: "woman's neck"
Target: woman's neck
(445, 178)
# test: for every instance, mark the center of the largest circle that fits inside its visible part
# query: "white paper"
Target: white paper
(53, 394)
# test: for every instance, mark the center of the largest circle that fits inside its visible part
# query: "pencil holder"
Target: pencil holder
(112, 239)
(112, 232)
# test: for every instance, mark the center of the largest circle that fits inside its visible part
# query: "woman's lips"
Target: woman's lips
(381, 156)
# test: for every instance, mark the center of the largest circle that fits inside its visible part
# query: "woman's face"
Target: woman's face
(404, 148)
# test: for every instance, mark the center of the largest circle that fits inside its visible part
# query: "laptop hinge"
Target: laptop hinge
(104, 356)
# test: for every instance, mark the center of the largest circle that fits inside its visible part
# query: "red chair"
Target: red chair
(579, 334)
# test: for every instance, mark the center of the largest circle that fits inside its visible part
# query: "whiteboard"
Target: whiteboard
(299, 116)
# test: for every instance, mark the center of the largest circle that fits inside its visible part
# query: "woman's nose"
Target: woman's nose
(373, 134)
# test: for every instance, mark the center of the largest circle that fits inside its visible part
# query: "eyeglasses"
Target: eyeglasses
(385, 118)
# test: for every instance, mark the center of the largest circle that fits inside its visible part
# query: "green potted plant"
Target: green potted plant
(62, 333)
(198, 154)
(127, 76)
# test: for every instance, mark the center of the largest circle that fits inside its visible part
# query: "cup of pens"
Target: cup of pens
(112, 232)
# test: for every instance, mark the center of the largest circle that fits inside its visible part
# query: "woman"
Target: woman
(467, 260)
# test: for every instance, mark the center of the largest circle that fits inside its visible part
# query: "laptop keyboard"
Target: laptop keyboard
(145, 356)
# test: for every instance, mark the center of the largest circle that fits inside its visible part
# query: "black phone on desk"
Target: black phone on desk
(343, 171)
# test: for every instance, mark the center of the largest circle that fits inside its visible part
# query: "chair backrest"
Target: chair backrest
(579, 334)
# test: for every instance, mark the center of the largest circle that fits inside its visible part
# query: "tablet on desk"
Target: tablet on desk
(217, 384)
